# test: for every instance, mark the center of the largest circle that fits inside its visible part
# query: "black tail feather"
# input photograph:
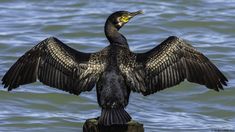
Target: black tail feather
(115, 116)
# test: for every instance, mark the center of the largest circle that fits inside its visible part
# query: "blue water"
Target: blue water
(207, 25)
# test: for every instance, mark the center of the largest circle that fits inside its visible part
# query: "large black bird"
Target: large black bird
(115, 70)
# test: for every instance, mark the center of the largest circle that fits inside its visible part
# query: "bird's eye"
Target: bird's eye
(124, 19)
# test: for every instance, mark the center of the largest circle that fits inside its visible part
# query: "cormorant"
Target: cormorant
(115, 70)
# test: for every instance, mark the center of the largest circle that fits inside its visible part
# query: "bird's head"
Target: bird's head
(120, 18)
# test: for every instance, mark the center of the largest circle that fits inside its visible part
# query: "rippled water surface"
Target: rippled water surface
(208, 25)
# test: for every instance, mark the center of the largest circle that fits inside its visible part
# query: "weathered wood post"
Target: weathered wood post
(91, 125)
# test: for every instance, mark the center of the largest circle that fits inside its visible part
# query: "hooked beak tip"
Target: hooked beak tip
(140, 12)
(137, 12)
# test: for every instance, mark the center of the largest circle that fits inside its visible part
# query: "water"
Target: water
(208, 25)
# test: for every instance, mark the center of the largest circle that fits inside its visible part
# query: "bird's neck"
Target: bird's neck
(112, 34)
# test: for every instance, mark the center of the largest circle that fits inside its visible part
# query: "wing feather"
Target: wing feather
(172, 62)
(56, 65)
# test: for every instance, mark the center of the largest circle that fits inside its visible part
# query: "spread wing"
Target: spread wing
(172, 62)
(56, 65)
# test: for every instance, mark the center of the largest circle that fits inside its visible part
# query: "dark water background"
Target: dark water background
(208, 25)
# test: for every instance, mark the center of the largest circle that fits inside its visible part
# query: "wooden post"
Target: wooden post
(91, 125)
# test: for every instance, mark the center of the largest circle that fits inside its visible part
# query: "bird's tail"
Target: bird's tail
(113, 116)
